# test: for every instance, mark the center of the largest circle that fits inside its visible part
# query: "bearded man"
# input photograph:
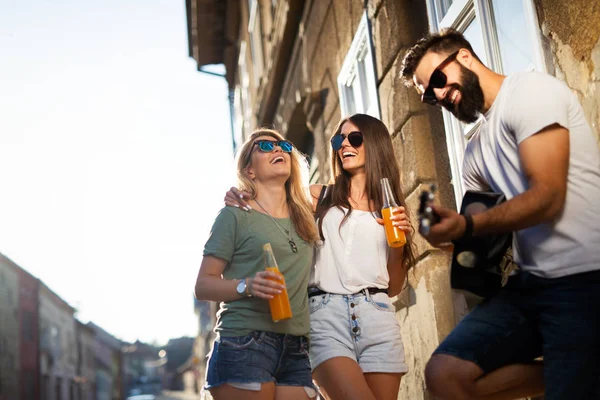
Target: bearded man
(535, 147)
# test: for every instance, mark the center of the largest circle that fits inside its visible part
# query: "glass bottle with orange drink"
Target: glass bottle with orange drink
(280, 303)
(395, 236)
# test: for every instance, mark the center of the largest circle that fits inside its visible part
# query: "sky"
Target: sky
(115, 154)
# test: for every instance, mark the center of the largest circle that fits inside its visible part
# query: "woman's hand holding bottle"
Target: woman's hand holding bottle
(264, 285)
(399, 219)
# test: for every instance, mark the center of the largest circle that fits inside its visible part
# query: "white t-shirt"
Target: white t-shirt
(526, 103)
(352, 257)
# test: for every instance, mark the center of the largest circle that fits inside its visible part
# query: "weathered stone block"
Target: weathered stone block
(397, 24)
(396, 100)
(347, 16)
(428, 319)
(373, 7)
(414, 148)
(314, 23)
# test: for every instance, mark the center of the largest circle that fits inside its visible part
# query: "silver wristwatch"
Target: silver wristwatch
(241, 288)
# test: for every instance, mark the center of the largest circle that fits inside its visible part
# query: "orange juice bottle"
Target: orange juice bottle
(395, 237)
(280, 303)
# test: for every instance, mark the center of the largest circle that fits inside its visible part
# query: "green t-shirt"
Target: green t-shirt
(238, 237)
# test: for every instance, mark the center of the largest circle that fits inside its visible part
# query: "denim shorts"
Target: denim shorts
(257, 358)
(558, 319)
(360, 326)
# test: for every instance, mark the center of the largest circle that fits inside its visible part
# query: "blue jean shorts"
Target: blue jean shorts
(558, 319)
(360, 326)
(259, 357)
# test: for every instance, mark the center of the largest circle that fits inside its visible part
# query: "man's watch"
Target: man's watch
(242, 289)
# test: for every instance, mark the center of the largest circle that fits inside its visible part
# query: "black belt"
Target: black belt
(371, 290)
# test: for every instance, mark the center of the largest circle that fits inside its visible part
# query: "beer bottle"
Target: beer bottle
(395, 237)
(280, 303)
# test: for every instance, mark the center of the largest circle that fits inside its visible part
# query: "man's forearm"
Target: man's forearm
(535, 206)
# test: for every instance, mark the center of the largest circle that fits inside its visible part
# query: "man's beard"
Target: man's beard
(471, 102)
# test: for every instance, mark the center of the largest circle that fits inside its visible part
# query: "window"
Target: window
(45, 387)
(356, 82)
(90, 357)
(28, 385)
(254, 29)
(27, 325)
(72, 390)
(273, 8)
(241, 101)
(58, 388)
(504, 34)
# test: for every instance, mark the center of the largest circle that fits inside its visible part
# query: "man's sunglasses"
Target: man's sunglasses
(355, 139)
(437, 81)
(268, 146)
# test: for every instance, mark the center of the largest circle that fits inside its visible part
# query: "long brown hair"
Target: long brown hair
(380, 162)
(296, 187)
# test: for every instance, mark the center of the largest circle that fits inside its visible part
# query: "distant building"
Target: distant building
(142, 368)
(194, 369)
(178, 351)
(109, 367)
(86, 362)
(10, 362)
(29, 335)
(58, 346)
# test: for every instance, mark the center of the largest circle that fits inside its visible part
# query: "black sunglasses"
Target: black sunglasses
(355, 139)
(437, 80)
(268, 146)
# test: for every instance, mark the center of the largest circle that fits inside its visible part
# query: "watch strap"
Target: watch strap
(247, 291)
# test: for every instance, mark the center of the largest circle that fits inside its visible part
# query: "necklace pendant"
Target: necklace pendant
(293, 245)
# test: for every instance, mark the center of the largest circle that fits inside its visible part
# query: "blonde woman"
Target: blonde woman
(253, 357)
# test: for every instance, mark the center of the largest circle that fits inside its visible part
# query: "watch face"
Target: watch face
(241, 287)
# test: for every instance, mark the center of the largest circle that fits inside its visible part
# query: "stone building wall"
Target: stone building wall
(9, 329)
(308, 109)
(86, 368)
(58, 344)
(571, 30)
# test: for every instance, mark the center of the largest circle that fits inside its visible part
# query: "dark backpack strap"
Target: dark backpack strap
(322, 194)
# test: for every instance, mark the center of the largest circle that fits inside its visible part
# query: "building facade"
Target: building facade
(109, 364)
(47, 354)
(10, 360)
(58, 346)
(141, 368)
(302, 65)
(86, 362)
(206, 312)
(29, 335)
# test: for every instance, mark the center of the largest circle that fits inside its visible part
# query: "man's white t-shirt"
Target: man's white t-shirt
(527, 103)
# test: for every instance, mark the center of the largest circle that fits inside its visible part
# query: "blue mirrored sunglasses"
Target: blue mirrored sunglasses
(268, 146)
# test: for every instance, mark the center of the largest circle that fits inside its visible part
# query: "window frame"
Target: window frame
(255, 42)
(459, 15)
(360, 50)
(241, 97)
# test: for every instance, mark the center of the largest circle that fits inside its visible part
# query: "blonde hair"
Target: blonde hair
(296, 187)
